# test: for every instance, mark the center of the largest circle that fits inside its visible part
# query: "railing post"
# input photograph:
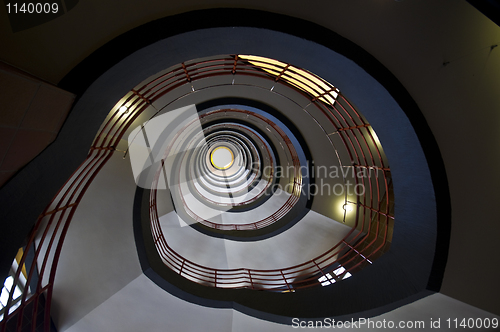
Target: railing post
(286, 282)
(182, 266)
(250, 276)
(320, 270)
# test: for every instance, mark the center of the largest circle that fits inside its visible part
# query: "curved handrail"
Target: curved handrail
(355, 142)
(48, 234)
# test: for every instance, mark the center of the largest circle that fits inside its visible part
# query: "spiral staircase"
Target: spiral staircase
(266, 180)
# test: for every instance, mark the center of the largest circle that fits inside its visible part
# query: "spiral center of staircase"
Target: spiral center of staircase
(222, 158)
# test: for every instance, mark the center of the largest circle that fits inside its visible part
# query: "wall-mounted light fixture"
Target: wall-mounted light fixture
(347, 207)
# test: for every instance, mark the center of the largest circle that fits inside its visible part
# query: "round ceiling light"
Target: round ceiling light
(222, 158)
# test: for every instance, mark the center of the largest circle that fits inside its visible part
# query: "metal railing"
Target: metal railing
(364, 153)
(372, 208)
(283, 210)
